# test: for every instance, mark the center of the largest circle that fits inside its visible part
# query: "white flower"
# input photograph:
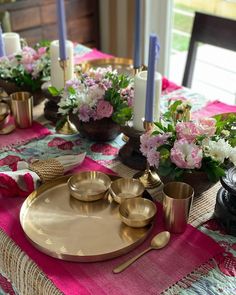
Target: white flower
(232, 155)
(217, 150)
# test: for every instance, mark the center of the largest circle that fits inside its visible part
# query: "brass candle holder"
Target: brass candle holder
(149, 176)
(67, 128)
(139, 69)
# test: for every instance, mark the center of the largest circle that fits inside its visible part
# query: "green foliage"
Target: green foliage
(226, 127)
(122, 112)
(54, 91)
(61, 122)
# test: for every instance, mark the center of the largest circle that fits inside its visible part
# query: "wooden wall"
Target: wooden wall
(37, 20)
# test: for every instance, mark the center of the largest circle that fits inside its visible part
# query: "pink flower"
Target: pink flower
(187, 130)
(186, 155)
(128, 95)
(147, 143)
(207, 126)
(162, 138)
(153, 157)
(74, 83)
(84, 113)
(41, 51)
(104, 109)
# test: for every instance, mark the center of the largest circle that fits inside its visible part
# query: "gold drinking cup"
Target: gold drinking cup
(177, 203)
(22, 108)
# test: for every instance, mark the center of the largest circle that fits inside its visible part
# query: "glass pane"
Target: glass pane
(207, 57)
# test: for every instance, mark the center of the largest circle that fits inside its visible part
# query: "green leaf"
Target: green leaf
(61, 122)
(164, 170)
(160, 126)
(54, 91)
(164, 154)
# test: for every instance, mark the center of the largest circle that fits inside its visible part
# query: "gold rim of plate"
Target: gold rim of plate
(122, 65)
(69, 229)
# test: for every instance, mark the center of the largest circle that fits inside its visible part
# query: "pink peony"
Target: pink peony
(187, 130)
(186, 155)
(104, 109)
(207, 126)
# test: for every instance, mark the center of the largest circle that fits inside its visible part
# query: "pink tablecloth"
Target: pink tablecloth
(154, 272)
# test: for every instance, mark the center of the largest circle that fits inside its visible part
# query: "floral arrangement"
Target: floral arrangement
(27, 68)
(99, 93)
(178, 145)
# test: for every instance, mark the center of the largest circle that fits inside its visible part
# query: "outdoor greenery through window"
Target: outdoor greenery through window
(214, 62)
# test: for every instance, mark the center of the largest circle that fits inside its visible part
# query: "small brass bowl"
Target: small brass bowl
(89, 185)
(126, 188)
(137, 212)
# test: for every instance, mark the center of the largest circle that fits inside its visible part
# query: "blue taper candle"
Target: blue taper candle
(150, 90)
(61, 28)
(2, 46)
(137, 35)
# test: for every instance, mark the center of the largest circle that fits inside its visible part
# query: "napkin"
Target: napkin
(29, 176)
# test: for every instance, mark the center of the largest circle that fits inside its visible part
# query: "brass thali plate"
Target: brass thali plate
(122, 65)
(69, 229)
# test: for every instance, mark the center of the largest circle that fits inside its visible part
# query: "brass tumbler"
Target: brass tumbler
(177, 203)
(22, 108)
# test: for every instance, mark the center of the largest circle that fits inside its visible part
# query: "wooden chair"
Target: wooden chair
(212, 30)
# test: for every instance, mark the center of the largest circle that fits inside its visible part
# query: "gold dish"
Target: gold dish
(89, 185)
(68, 229)
(137, 212)
(4, 114)
(122, 65)
(126, 188)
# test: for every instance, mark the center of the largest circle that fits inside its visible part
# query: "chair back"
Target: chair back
(212, 30)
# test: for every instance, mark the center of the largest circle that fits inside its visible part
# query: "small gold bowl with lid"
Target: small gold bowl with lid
(89, 185)
(138, 212)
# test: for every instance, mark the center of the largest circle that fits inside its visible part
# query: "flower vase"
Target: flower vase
(99, 130)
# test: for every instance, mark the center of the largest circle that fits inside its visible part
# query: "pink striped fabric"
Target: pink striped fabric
(214, 108)
(21, 136)
(94, 54)
(151, 274)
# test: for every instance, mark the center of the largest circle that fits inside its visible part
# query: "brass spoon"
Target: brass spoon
(158, 242)
(8, 129)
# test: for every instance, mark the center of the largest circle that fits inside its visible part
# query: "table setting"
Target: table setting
(104, 193)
